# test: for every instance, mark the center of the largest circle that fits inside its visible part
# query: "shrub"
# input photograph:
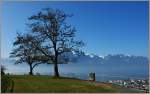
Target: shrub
(5, 83)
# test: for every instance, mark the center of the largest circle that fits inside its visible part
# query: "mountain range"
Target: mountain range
(127, 66)
(109, 59)
(95, 59)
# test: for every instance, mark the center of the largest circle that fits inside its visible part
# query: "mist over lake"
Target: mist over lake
(82, 68)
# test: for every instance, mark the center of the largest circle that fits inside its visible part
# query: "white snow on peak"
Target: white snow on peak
(101, 56)
(91, 55)
(86, 54)
(73, 52)
(128, 55)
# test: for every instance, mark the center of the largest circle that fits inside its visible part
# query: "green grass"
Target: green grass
(47, 84)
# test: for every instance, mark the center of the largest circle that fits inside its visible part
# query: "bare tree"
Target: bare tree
(25, 52)
(57, 36)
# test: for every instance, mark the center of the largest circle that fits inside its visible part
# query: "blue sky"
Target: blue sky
(105, 27)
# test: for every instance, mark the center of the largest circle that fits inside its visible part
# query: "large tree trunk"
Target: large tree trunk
(31, 70)
(56, 70)
(56, 73)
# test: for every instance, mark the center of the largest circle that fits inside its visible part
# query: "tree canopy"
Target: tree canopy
(50, 38)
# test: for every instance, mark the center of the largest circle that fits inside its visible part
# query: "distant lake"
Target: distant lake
(82, 70)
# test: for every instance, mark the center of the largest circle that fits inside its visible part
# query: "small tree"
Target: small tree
(50, 26)
(5, 80)
(2, 70)
(25, 52)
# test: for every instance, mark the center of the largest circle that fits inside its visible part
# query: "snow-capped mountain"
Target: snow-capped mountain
(109, 59)
(124, 65)
(96, 59)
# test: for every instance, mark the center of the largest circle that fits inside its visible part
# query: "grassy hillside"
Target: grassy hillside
(46, 84)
